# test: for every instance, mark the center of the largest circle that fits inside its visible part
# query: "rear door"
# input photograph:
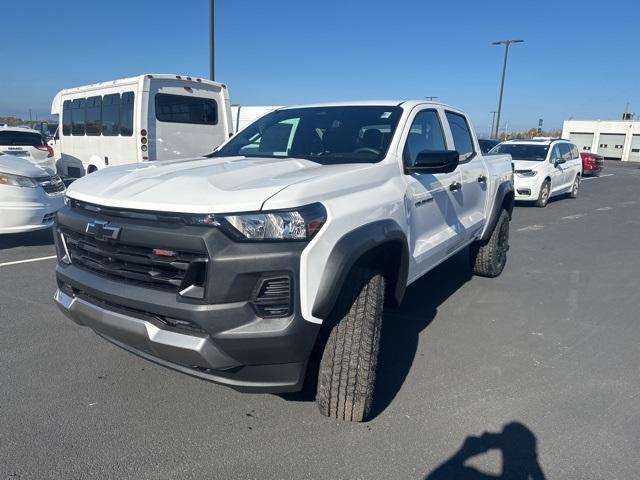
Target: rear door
(469, 204)
(432, 217)
(185, 119)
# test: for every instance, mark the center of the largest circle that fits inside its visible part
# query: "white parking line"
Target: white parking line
(599, 176)
(28, 260)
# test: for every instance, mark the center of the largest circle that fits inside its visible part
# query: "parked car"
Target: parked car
(29, 145)
(592, 163)
(486, 144)
(292, 235)
(139, 119)
(29, 195)
(543, 168)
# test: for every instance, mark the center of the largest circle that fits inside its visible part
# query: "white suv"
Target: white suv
(543, 168)
(28, 144)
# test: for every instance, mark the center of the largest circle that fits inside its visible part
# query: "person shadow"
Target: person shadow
(517, 444)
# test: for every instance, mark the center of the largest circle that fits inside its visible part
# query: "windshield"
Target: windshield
(523, 151)
(351, 134)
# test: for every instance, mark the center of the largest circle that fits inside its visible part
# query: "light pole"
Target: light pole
(506, 44)
(212, 58)
(493, 121)
(431, 98)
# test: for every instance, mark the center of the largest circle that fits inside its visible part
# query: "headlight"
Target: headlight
(17, 180)
(298, 224)
(526, 173)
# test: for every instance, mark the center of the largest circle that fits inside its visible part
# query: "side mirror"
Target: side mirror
(558, 161)
(435, 161)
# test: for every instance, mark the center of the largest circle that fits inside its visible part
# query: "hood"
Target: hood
(20, 166)
(527, 164)
(198, 185)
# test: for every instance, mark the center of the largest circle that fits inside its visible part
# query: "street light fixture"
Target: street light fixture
(506, 44)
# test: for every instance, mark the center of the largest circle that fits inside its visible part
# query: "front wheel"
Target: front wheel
(348, 367)
(545, 192)
(489, 259)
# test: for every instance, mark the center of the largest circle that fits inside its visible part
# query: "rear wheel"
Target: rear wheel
(543, 196)
(574, 189)
(489, 259)
(348, 367)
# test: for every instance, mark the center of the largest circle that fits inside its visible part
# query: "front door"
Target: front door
(433, 223)
(557, 169)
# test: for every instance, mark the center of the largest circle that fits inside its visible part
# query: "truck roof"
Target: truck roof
(376, 103)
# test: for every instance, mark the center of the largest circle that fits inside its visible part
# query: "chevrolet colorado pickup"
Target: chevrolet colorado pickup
(289, 238)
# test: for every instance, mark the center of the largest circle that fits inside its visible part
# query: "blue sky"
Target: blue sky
(581, 59)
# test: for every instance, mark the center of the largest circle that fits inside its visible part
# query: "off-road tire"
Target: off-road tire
(347, 371)
(575, 188)
(489, 259)
(545, 193)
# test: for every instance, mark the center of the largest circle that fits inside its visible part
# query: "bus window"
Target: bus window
(66, 117)
(183, 109)
(77, 116)
(94, 106)
(126, 114)
(111, 115)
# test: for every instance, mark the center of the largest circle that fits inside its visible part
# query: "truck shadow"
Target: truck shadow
(516, 443)
(400, 330)
(402, 326)
(27, 239)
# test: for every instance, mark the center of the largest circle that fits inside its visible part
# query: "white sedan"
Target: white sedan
(30, 195)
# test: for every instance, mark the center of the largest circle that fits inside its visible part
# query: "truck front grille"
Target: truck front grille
(130, 263)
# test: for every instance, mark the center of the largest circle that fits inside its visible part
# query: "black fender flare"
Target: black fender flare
(504, 190)
(351, 248)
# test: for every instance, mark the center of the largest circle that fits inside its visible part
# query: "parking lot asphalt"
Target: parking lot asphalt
(550, 350)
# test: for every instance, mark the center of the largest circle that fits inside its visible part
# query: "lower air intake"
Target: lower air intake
(273, 298)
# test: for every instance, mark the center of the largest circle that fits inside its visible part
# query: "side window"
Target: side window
(425, 134)
(77, 116)
(93, 115)
(462, 139)
(126, 114)
(574, 152)
(111, 115)
(565, 151)
(66, 117)
(555, 154)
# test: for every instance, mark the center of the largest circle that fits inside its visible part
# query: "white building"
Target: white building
(613, 139)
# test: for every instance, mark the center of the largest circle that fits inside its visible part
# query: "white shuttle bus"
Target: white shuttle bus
(137, 119)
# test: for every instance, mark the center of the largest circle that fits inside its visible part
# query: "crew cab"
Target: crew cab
(288, 239)
(544, 168)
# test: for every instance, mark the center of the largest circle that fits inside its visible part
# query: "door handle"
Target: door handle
(455, 186)
(482, 179)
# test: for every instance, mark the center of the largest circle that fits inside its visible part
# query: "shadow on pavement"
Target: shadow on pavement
(27, 239)
(519, 456)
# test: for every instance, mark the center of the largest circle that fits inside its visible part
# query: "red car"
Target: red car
(592, 163)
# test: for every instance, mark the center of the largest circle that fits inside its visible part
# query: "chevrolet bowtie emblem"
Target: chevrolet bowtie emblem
(102, 230)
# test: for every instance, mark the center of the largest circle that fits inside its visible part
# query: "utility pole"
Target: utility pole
(493, 121)
(212, 58)
(29, 114)
(506, 44)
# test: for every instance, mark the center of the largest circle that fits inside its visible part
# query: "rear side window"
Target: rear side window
(111, 115)
(183, 109)
(93, 116)
(462, 140)
(77, 116)
(66, 117)
(21, 139)
(126, 114)
(425, 135)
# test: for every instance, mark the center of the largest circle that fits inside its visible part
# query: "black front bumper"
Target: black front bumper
(224, 336)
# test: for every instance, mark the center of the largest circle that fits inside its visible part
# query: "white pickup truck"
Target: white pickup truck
(290, 238)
